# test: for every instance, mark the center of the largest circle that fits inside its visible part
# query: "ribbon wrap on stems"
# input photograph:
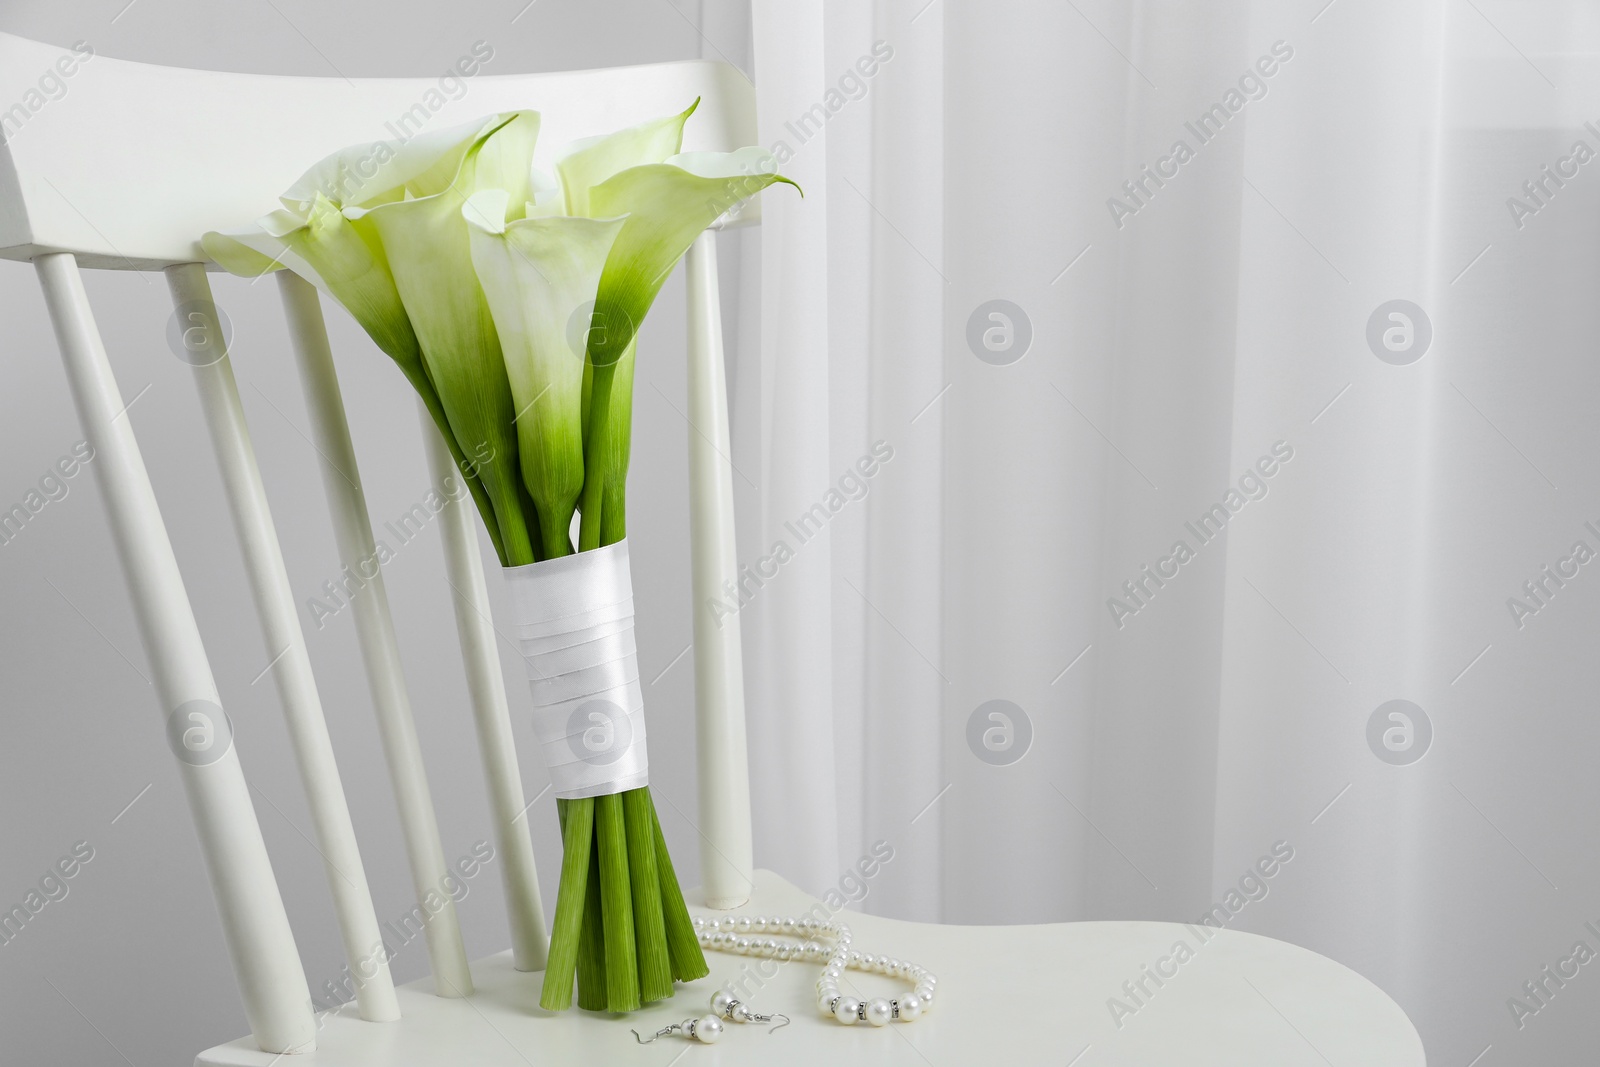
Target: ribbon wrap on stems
(572, 618)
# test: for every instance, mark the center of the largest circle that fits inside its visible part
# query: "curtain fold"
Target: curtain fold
(1177, 507)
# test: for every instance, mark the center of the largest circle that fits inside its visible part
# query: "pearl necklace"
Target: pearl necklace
(733, 934)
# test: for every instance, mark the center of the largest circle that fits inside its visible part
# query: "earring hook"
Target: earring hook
(663, 1032)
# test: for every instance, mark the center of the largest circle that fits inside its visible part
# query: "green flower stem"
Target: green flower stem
(613, 514)
(616, 899)
(506, 496)
(592, 946)
(555, 533)
(530, 519)
(655, 968)
(577, 832)
(683, 947)
(593, 456)
(607, 438)
(615, 448)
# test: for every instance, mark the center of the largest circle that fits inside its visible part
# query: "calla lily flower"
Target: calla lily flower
(669, 200)
(313, 235)
(467, 266)
(538, 275)
(586, 163)
(667, 205)
(429, 252)
(583, 165)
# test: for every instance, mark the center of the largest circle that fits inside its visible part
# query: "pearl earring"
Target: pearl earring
(724, 1004)
(707, 1030)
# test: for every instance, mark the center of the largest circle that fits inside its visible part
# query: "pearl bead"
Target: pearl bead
(733, 933)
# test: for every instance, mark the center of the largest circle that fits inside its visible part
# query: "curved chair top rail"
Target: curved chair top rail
(196, 150)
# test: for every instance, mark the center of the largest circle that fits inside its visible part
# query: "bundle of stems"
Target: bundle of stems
(468, 267)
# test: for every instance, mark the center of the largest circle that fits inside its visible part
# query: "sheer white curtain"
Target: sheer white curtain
(1210, 343)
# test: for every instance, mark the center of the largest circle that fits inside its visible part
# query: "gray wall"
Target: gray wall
(135, 946)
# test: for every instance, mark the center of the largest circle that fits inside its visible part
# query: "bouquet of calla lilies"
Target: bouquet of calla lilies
(511, 300)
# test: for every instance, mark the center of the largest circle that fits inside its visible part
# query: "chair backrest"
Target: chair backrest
(126, 164)
(119, 165)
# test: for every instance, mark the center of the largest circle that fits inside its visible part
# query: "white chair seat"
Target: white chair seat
(1007, 995)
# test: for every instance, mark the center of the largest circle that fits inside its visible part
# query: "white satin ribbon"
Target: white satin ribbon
(572, 617)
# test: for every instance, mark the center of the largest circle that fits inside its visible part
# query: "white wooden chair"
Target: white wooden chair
(124, 173)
